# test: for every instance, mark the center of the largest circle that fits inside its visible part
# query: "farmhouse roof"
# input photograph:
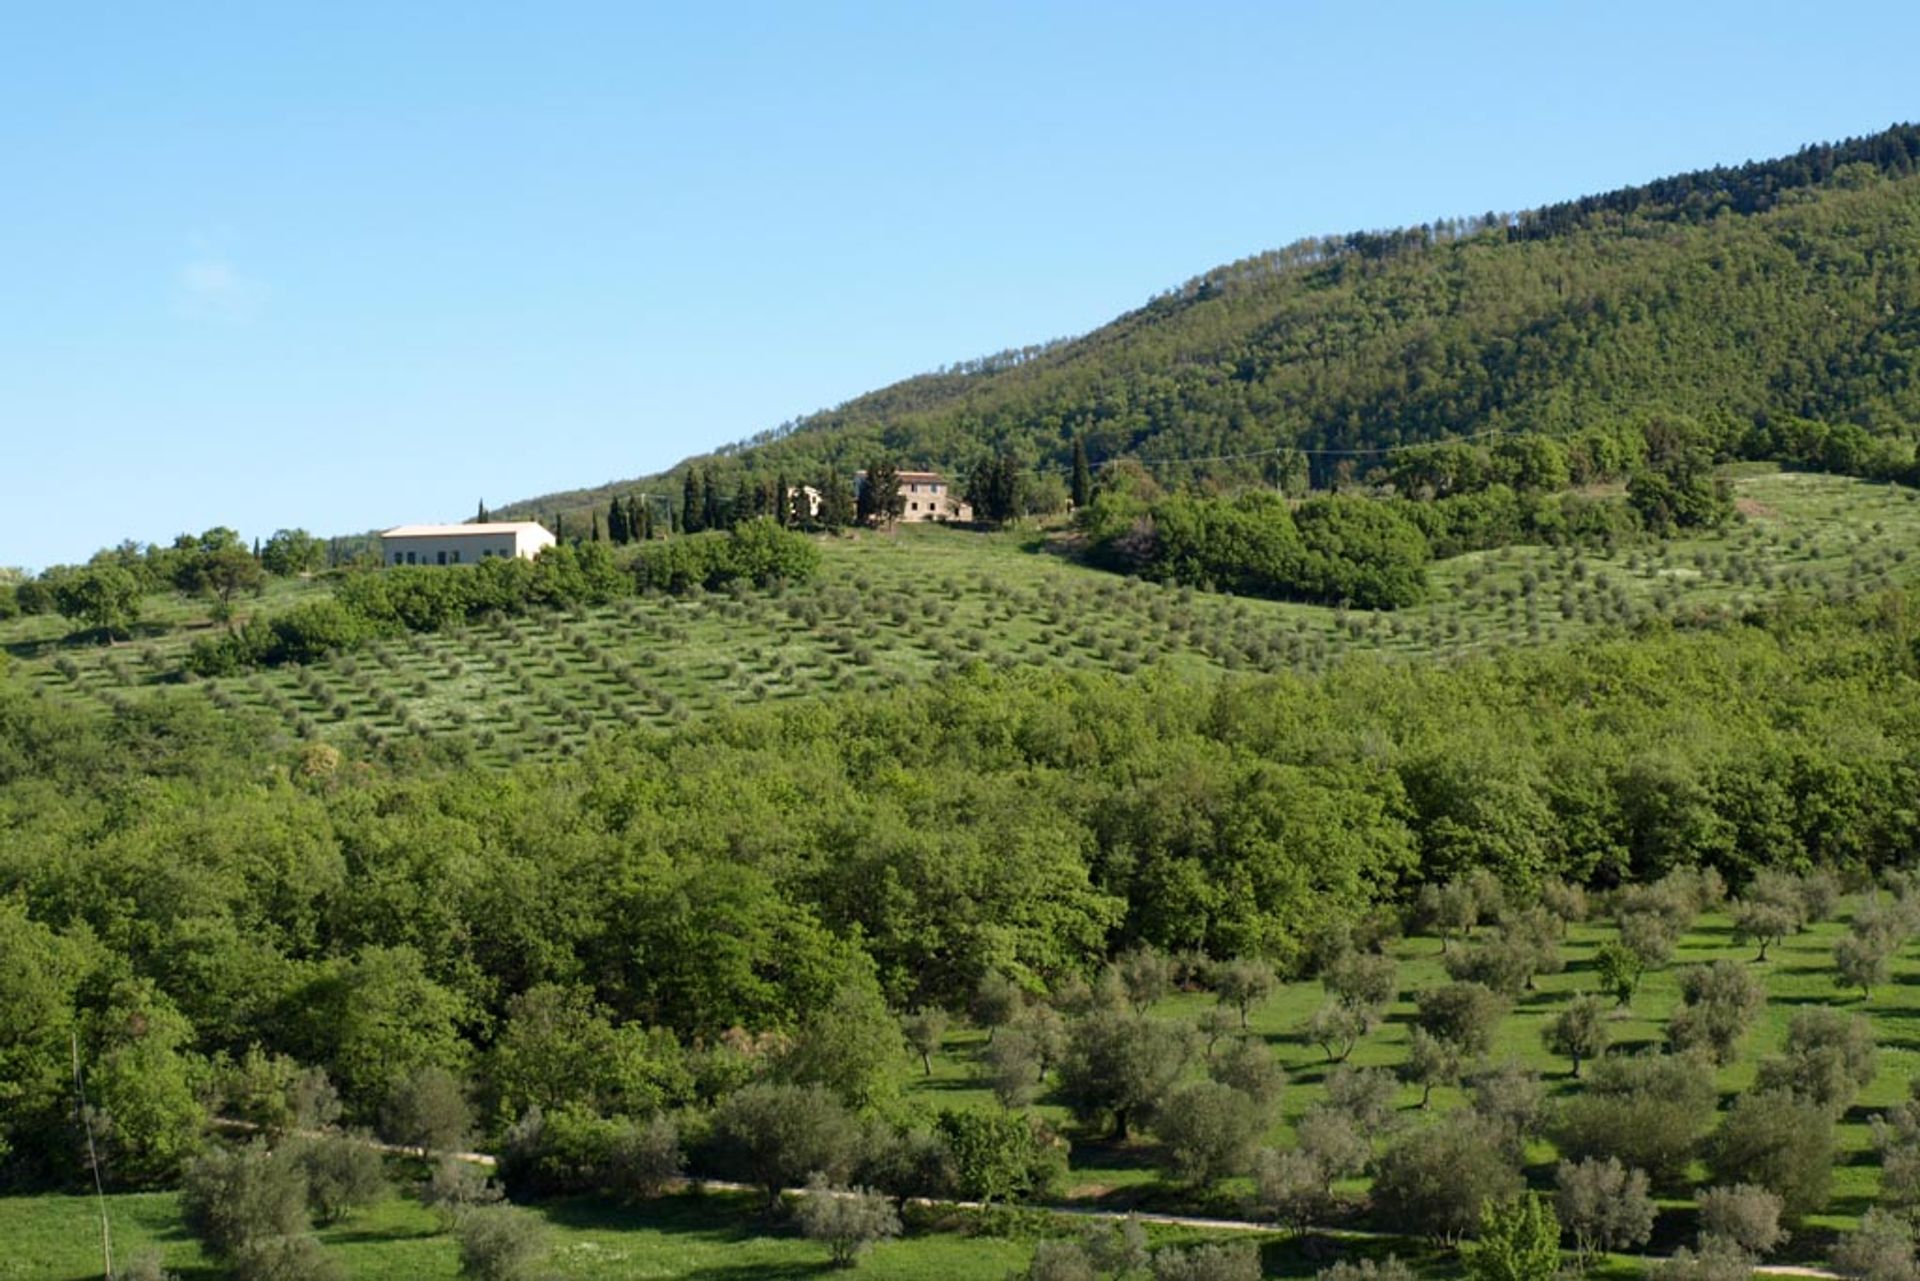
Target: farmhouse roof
(443, 531)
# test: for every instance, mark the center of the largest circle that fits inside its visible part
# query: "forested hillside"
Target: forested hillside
(1788, 288)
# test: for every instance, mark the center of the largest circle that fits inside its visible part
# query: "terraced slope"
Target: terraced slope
(890, 608)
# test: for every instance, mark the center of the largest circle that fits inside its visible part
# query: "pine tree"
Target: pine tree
(693, 504)
(1082, 475)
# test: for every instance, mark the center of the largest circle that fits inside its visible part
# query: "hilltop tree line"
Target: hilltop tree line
(1770, 303)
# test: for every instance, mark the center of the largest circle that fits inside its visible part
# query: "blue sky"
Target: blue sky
(346, 266)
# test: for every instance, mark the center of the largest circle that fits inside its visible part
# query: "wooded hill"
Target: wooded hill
(1739, 296)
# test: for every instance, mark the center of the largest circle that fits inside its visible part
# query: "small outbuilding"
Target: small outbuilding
(463, 544)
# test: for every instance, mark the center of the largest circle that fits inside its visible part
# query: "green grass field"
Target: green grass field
(888, 608)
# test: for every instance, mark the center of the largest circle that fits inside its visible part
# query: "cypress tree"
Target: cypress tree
(598, 535)
(783, 500)
(640, 519)
(710, 512)
(559, 527)
(1082, 475)
(693, 504)
(746, 502)
(617, 523)
(836, 501)
(480, 517)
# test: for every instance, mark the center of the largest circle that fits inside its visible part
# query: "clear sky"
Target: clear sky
(342, 266)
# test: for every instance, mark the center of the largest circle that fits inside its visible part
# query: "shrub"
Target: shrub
(1746, 1215)
(1462, 1014)
(1828, 1058)
(344, 1173)
(1519, 1241)
(1435, 1179)
(1000, 1156)
(1387, 1269)
(1119, 1067)
(1237, 1261)
(1714, 1259)
(1719, 1003)
(849, 1221)
(1880, 1250)
(249, 1206)
(427, 1111)
(1209, 1131)
(777, 1136)
(1647, 1111)
(500, 1243)
(1603, 1204)
(1780, 1143)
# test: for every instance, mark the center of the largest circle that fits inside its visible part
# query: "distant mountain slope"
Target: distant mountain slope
(1783, 288)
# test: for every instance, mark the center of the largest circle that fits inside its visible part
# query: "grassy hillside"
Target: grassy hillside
(892, 608)
(1785, 288)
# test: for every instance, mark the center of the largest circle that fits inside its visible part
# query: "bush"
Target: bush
(231, 1197)
(500, 1243)
(1462, 1014)
(1210, 1131)
(249, 1206)
(1881, 1250)
(1646, 1111)
(344, 1173)
(849, 1221)
(1829, 1057)
(1719, 1003)
(1435, 1179)
(1238, 1261)
(427, 1111)
(1603, 1204)
(1000, 1156)
(1746, 1215)
(778, 1136)
(1387, 1269)
(1519, 1241)
(1780, 1143)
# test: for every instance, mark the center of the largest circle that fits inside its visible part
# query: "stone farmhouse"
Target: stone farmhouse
(928, 497)
(462, 544)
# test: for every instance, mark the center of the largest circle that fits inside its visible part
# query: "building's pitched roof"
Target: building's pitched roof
(905, 476)
(443, 531)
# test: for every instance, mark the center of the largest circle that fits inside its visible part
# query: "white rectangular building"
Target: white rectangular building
(463, 544)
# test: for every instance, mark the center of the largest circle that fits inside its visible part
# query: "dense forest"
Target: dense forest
(181, 895)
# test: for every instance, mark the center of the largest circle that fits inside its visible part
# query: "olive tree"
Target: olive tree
(848, 1221)
(1579, 1031)
(1604, 1205)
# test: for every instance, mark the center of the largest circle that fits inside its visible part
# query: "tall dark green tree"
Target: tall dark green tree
(880, 501)
(617, 532)
(993, 488)
(1082, 487)
(837, 507)
(693, 504)
(713, 513)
